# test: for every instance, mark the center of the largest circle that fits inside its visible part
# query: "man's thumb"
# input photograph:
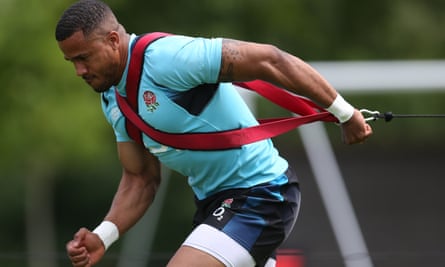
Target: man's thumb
(79, 237)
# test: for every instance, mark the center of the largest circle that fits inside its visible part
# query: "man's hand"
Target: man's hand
(86, 249)
(355, 130)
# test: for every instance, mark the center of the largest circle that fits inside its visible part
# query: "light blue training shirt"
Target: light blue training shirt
(179, 93)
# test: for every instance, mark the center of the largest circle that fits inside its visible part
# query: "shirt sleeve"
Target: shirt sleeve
(181, 63)
(114, 116)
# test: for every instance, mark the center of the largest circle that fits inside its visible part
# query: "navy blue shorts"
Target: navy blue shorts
(259, 218)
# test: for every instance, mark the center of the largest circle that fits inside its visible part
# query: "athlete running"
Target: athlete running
(247, 198)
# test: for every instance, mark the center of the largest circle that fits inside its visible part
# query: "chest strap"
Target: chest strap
(268, 128)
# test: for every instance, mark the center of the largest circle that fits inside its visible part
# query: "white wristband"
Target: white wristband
(341, 109)
(107, 232)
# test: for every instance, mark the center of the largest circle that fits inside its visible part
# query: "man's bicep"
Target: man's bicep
(243, 61)
(230, 56)
(136, 160)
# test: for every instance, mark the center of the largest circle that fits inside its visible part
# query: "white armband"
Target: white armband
(341, 109)
(107, 232)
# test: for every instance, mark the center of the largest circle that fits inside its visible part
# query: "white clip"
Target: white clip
(374, 115)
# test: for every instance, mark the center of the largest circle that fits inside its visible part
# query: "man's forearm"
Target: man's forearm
(133, 197)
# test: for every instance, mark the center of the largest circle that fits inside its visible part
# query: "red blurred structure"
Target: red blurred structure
(290, 258)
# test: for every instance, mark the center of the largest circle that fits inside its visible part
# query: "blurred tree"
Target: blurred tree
(44, 109)
(315, 30)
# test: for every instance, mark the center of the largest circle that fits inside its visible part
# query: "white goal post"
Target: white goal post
(377, 76)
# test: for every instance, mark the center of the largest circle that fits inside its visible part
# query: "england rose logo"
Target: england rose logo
(150, 101)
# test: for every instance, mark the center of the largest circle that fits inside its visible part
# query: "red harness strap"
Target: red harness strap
(267, 128)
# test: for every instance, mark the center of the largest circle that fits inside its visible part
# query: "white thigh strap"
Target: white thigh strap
(214, 242)
(270, 263)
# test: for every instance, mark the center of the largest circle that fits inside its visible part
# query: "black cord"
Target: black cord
(388, 116)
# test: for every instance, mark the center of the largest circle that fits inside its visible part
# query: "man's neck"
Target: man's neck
(123, 54)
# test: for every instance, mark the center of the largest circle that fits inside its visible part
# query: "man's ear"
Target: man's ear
(114, 39)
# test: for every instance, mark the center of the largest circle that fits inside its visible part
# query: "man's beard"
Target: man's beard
(108, 79)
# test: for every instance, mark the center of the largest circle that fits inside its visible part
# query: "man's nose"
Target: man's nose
(81, 69)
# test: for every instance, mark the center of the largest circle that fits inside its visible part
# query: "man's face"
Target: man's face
(95, 59)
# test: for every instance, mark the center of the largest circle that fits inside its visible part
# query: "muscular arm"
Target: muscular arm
(136, 191)
(244, 61)
(137, 188)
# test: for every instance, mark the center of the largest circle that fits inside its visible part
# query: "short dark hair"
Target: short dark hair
(84, 15)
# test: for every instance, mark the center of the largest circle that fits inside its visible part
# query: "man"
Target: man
(247, 198)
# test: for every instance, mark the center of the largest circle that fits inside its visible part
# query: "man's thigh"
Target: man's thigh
(219, 245)
(207, 246)
(258, 219)
(191, 257)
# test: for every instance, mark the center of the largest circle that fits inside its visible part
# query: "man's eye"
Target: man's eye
(81, 58)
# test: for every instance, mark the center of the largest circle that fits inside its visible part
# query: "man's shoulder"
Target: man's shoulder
(182, 61)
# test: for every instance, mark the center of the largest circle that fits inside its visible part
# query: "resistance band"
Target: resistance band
(308, 111)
